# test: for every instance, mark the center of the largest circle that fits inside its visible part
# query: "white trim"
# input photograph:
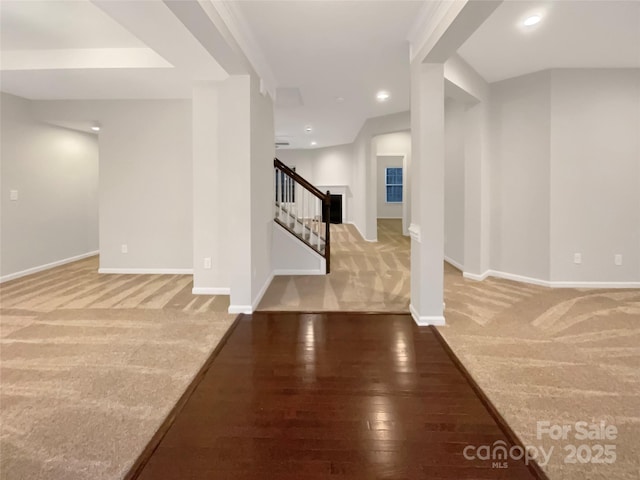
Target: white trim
(519, 278)
(240, 309)
(360, 232)
(261, 293)
(391, 218)
(210, 291)
(428, 25)
(475, 276)
(47, 266)
(239, 29)
(147, 271)
(452, 262)
(595, 284)
(284, 271)
(546, 283)
(414, 232)
(249, 309)
(426, 320)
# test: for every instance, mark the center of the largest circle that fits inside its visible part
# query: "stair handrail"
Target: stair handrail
(301, 180)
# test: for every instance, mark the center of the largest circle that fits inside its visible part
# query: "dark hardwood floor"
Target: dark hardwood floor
(319, 396)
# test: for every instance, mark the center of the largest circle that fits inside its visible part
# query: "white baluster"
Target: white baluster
(279, 192)
(285, 196)
(275, 189)
(320, 221)
(302, 190)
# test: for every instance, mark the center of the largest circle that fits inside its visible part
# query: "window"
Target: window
(393, 183)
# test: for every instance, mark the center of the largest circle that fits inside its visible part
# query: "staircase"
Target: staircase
(302, 209)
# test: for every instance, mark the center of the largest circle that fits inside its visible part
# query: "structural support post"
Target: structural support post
(476, 211)
(427, 193)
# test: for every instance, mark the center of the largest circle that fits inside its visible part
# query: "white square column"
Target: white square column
(427, 193)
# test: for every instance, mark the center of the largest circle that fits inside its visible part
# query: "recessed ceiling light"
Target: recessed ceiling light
(313, 144)
(382, 96)
(532, 20)
(308, 129)
(95, 129)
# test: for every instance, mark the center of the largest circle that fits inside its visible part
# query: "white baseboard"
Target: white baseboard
(474, 276)
(147, 271)
(321, 271)
(426, 320)
(240, 309)
(210, 291)
(249, 309)
(361, 235)
(452, 262)
(519, 278)
(546, 283)
(594, 284)
(47, 266)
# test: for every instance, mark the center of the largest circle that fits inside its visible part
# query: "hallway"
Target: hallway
(319, 396)
(365, 276)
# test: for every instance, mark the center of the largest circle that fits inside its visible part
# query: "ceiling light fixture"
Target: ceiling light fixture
(308, 129)
(532, 20)
(95, 128)
(313, 144)
(382, 96)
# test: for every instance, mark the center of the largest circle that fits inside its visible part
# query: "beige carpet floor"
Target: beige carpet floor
(92, 364)
(365, 276)
(560, 356)
(556, 355)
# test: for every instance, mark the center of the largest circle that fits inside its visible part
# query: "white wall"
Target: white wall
(301, 159)
(210, 202)
(55, 171)
(326, 168)
(520, 127)
(595, 174)
(234, 161)
(333, 165)
(566, 176)
(321, 166)
(292, 257)
(397, 143)
(454, 181)
(233, 197)
(262, 193)
(145, 179)
(463, 84)
(364, 170)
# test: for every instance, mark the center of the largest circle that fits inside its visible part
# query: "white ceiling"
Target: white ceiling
(42, 25)
(334, 49)
(572, 34)
(318, 51)
(77, 49)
